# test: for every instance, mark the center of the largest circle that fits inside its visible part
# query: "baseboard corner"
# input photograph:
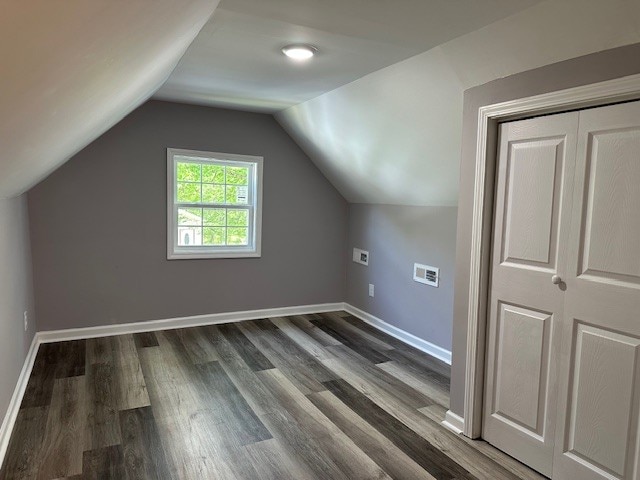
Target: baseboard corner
(16, 399)
(408, 338)
(453, 422)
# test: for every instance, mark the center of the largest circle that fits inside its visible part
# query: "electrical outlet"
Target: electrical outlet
(371, 290)
(26, 320)
(361, 256)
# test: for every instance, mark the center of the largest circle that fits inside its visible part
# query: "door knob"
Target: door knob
(556, 280)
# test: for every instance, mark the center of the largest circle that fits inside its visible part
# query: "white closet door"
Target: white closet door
(534, 191)
(597, 434)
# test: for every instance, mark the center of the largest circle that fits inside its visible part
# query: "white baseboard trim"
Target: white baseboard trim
(427, 347)
(16, 399)
(182, 322)
(453, 422)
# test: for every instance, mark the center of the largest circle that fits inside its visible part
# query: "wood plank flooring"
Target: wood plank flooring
(322, 396)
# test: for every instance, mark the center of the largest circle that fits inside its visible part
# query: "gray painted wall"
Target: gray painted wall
(98, 226)
(584, 70)
(16, 295)
(396, 238)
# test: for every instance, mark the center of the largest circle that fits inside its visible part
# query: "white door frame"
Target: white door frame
(612, 91)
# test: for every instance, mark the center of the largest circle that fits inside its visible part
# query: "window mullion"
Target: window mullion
(213, 205)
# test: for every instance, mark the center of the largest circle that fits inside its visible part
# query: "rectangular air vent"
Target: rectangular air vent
(426, 274)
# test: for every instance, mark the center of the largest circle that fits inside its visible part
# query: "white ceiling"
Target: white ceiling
(71, 69)
(236, 60)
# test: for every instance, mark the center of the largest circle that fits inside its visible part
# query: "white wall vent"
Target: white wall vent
(426, 274)
(361, 256)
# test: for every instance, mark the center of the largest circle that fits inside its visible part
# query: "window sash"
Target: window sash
(251, 181)
(250, 225)
(254, 166)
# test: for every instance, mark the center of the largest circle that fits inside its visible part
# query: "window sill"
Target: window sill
(204, 255)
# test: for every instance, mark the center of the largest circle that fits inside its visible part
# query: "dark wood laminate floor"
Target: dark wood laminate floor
(305, 397)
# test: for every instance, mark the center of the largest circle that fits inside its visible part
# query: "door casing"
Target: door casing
(598, 94)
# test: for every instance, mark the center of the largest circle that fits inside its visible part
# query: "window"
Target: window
(214, 205)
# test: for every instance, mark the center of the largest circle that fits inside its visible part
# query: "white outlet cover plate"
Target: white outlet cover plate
(361, 256)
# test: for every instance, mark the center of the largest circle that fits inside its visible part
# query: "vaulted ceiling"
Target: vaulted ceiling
(71, 69)
(379, 110)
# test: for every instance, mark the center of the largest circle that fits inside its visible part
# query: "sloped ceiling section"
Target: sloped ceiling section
(236, 60)
(71, 69)
(394, 136)
(391, 137)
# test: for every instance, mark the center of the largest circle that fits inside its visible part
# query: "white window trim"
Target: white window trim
(175, 252)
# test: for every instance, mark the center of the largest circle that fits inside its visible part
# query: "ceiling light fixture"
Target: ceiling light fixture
(299, 52)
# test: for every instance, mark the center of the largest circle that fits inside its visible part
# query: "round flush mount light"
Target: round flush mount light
(299, 52)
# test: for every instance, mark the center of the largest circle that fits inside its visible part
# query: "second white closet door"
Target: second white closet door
(598, 412)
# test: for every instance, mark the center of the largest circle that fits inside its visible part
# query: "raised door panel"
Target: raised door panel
(610, 243)
(603, 421)
(522, 369)
(532, 201)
